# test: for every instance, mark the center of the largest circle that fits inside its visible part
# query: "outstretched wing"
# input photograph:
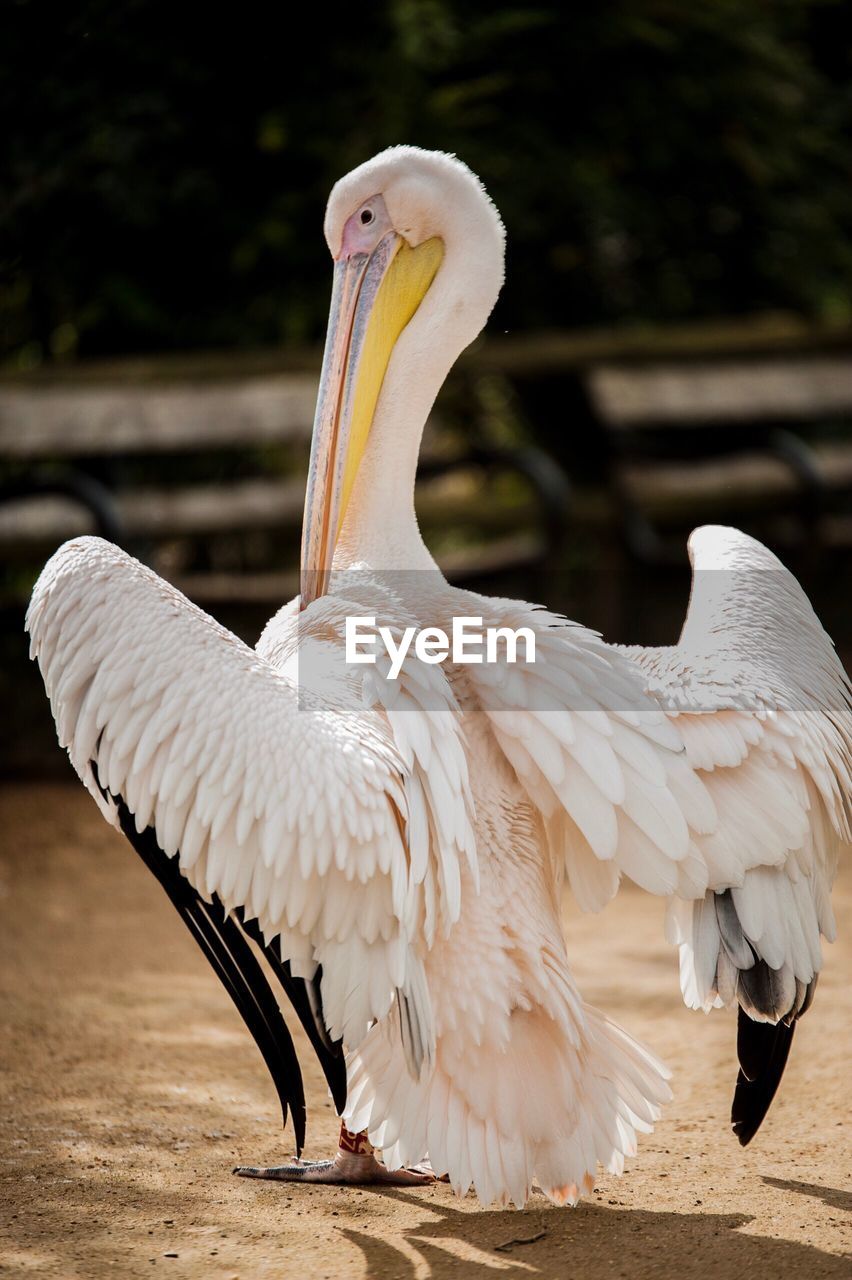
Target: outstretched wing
(277, 802)
(762, 703)
(717, 773)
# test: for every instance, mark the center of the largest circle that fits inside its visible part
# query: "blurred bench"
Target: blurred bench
(746, 421)
(697, 440)
(203, 477)
(197, 463)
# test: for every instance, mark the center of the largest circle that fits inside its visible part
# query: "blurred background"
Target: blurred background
(672, 346)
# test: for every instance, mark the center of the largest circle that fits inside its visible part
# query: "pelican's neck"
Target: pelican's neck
(380, 528)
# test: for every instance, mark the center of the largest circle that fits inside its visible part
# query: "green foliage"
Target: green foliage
(166, 166)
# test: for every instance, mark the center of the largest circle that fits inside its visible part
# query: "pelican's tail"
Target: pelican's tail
(550, 1105)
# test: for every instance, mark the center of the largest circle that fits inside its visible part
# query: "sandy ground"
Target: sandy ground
(130, 1089)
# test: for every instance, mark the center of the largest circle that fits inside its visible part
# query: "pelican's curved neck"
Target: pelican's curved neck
(380, 528)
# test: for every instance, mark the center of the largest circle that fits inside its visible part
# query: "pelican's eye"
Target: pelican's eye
(367, 216)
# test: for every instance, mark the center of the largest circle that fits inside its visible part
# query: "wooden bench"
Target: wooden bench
(760, 437)
(747, 421)
(203, 476)
(198, 463)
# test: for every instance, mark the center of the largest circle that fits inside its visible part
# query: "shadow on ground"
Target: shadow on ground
(592, 1241)
(832, 1196)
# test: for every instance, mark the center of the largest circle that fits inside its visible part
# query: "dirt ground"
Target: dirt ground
(130, 1089)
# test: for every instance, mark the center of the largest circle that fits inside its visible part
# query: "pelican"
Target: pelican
(398, 845)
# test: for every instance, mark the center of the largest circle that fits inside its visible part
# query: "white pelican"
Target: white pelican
(399, 846)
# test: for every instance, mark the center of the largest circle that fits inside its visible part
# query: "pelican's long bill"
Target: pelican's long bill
(373, 298)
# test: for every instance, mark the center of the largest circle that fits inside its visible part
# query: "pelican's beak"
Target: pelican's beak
(373, 298)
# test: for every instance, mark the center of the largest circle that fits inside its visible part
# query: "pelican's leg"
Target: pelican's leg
(354, 1163)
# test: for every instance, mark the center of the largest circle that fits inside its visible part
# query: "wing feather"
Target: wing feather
(276, 799)
(587, 741)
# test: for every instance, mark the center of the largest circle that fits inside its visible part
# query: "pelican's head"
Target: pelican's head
(418, 264)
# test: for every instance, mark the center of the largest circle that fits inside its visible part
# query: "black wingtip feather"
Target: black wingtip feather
(306, 999)
(231, 958)
(224, 942)
(763, 1049)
